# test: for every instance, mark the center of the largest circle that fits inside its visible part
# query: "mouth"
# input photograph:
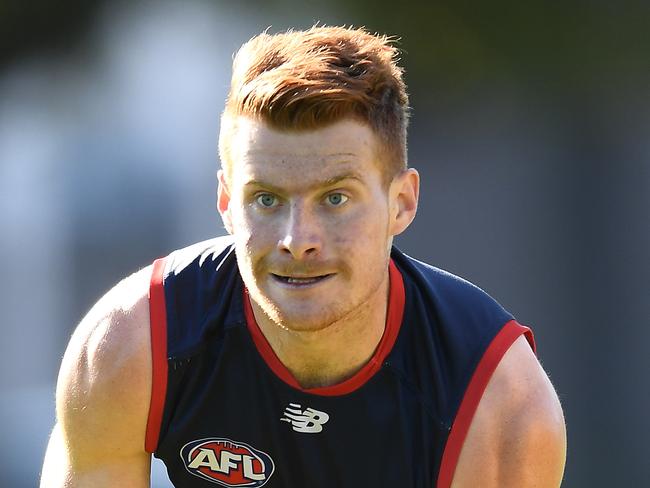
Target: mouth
(300, 281)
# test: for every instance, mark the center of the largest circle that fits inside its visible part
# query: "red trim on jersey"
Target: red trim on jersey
(158, 326)
(490, 360)
(394, 314)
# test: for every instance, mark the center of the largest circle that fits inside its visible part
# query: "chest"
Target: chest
(229, 421)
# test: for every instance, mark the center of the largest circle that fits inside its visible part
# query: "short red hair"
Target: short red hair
(305, 80)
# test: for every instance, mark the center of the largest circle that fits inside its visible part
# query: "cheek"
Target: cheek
(364, 243)
(367, 228)
(252, 233)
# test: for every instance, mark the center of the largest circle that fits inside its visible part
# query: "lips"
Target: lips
(300, 280)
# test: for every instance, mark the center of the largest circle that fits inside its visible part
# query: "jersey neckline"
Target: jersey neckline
(394, 315)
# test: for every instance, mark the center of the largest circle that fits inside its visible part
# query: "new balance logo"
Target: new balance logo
(308, 421)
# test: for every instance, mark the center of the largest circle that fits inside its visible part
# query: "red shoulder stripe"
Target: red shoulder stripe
(490, 360)
(158, 325)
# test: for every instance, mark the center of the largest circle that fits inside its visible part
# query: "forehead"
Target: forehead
(262, 153)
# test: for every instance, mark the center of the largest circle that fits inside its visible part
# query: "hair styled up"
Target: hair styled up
(305, 80)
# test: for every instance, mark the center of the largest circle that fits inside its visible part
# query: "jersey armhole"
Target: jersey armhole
(158, 327)
(473, 394)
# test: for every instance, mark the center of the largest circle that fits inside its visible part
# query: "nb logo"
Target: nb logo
(308, 421)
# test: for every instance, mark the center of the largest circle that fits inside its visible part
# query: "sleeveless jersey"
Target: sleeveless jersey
(226, 412)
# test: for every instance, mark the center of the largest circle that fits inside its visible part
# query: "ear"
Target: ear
(404, 193)
(223, 201)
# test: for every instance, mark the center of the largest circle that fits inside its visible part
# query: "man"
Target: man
(304, 350)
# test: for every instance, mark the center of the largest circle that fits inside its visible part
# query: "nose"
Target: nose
(302, 234)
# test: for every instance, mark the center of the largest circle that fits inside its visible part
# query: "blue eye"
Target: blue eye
(336, 199)
(267, 200)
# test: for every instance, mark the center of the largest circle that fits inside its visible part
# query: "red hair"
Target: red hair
(305, 80)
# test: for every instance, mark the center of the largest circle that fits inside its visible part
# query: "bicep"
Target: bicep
(103, 395)
(60, 472)
(517, 437)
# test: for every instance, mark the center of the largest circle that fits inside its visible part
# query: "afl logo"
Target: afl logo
(227, 463)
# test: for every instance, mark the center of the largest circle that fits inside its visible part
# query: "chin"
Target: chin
(300, 319)
(304, 321)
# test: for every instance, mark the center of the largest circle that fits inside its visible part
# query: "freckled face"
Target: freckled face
(310, 219)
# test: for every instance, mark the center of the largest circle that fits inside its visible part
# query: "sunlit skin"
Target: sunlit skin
(313, 223)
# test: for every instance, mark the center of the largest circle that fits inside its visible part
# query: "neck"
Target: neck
(335, 353)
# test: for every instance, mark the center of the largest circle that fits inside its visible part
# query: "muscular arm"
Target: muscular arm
(517, 437)
(103, 395)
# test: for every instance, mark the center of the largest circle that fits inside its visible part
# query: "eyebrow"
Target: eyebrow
(352, 175)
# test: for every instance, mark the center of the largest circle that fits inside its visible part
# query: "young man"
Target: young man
(304, 350)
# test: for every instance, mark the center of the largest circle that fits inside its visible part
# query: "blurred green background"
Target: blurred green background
(530, 127)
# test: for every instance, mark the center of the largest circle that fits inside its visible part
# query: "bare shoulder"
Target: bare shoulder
(104, 384)
(517, 437)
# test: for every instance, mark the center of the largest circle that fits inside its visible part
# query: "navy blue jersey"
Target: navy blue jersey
(226, 412)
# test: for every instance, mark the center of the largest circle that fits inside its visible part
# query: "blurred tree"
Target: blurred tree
(34, 26)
